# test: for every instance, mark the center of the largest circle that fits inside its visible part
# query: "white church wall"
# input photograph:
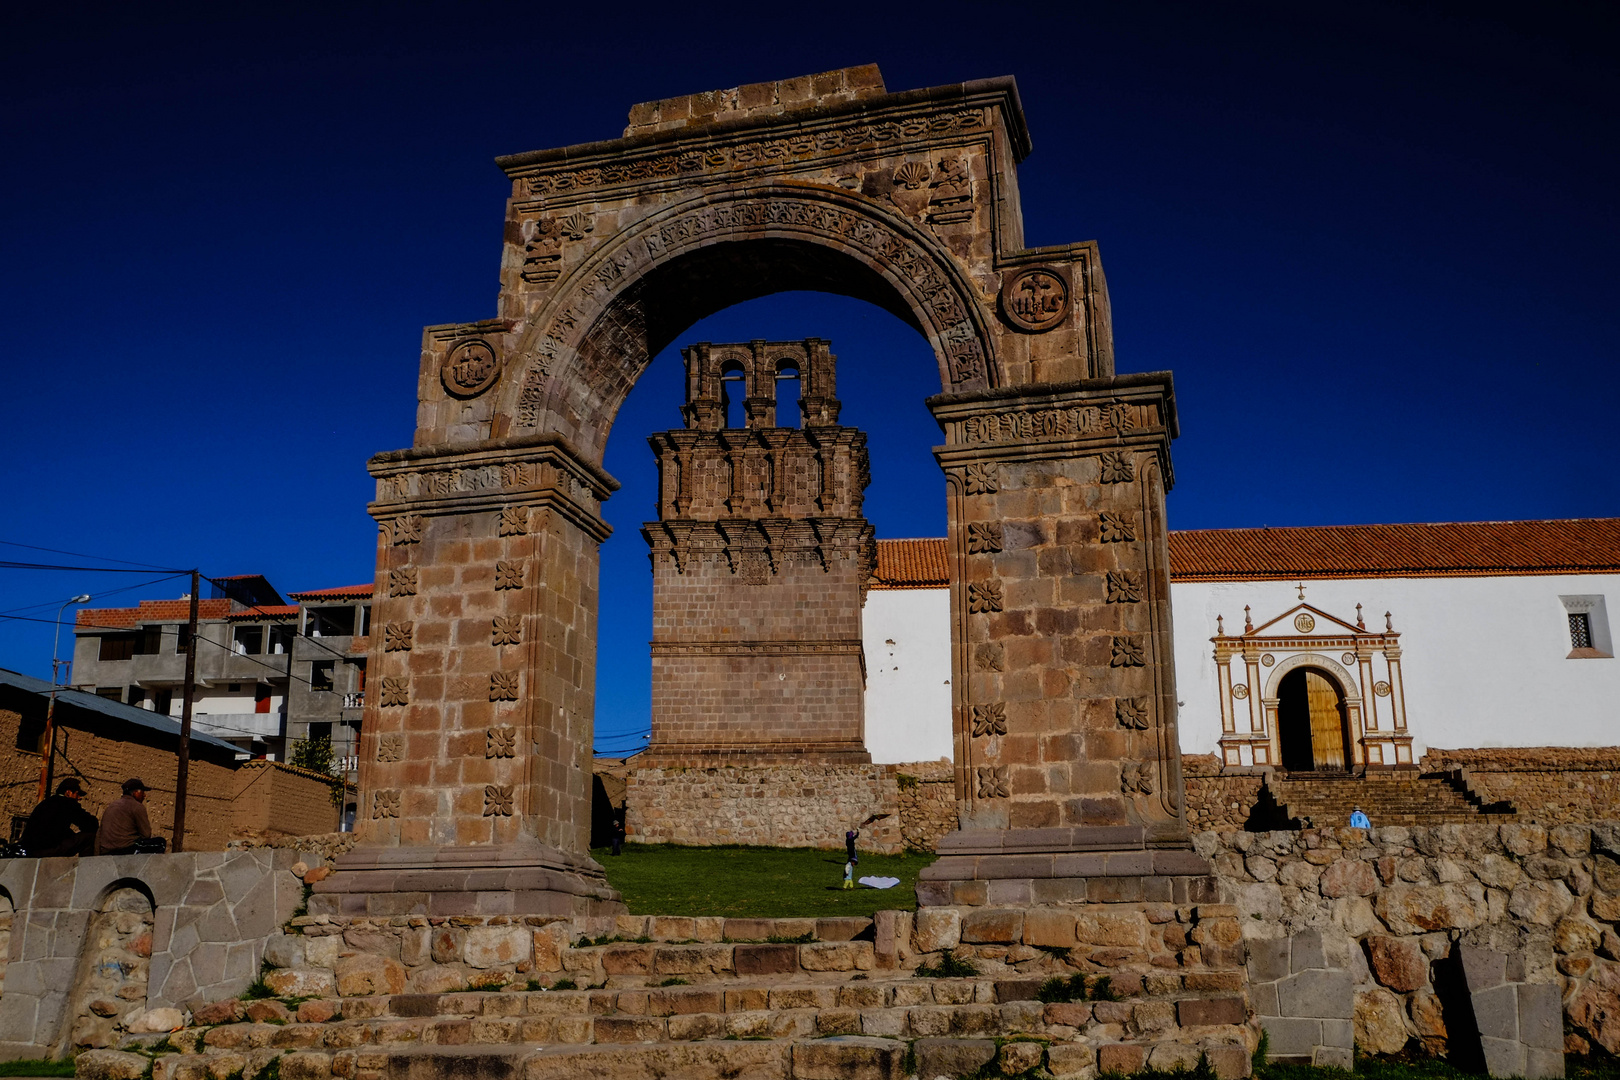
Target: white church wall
(906, 634)
(1483, 659)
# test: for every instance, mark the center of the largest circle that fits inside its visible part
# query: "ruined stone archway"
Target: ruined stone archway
(475, 759)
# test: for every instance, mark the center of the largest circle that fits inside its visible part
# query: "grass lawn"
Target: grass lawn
(756, 882)
(37, 1067)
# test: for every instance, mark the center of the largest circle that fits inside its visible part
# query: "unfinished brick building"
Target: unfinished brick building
(760, 560)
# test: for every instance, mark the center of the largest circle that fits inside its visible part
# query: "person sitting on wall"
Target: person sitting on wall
(124, 823)
(59, 827)
(1358, 820)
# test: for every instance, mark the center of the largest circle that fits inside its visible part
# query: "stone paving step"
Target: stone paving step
(1397, 797)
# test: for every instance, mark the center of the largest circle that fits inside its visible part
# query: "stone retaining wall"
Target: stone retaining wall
(1550, 785)
(1394, 904)
(775, 806)
(1216, 801)
(927, 810)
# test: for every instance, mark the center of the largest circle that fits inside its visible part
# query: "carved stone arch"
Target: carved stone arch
(586, 347)
(1347, 683)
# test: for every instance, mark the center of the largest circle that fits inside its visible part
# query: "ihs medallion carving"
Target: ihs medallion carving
(469, 369)
(984, 597)
(1125, 586)
(509, 575)
(1240, 690)
(500, 742)
(391, 747)
(984, 537)
(506, 630)
(1304, 622)
(503, 686)
(1036, 299)
(402, 582)
(397, 637)
(396, 690)
(989, 719)
(498, 800)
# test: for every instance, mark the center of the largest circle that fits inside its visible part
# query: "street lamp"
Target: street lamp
(48, 766)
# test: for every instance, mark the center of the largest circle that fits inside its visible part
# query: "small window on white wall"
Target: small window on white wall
(1588, 618)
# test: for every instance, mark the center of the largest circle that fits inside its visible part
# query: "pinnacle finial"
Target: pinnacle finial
(1220, 627)
(1301, 588)
(1361, 623)
(1248, 623)
(1389, 623)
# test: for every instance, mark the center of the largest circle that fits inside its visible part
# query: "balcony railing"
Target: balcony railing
(354, 701)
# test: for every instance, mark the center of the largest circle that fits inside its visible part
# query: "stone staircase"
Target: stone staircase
(1388, 796)
(687, 1009)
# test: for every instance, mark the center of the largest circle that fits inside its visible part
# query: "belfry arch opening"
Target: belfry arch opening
(1313, 724)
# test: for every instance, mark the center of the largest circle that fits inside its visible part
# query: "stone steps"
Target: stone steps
(1400, 797)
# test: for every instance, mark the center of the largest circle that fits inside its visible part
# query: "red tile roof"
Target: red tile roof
(911, 564)
(269, 611)
(1447, 549)
(342, 592)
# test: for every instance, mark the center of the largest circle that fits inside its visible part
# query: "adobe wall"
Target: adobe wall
(1552, 785)
(272, 799)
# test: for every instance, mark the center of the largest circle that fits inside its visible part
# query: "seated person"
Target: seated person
(59, 826)
(124, 821)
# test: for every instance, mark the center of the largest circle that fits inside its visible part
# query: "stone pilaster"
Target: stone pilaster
(475, 763)
(1063, 675)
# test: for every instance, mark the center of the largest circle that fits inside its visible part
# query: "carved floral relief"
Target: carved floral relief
(402, 582)
(396, 690)
(408, 529)
(506, 630)
(1117, 467)
(1117, 527)
(397, 637)
(498, 800)
(1131, 712)
(385, 804)
(503, 686)
(391, 747)
(1136, 778)
(500, 742)
(989, 719)
(984, 536)
(509, 575)
(1128, 651)
(992, 781)
(984, 597)
(1124, 586)
(514, 520)
(981, 479)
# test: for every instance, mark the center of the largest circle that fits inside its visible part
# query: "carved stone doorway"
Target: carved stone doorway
(1312, 722)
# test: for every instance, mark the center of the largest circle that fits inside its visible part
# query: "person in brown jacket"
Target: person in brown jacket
(124, 821)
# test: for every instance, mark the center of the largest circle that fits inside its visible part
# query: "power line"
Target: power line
(7, 564)
(82, 555)
(100, 593)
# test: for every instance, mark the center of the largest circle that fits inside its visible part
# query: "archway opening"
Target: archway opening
(1312, 722)
(787, 394)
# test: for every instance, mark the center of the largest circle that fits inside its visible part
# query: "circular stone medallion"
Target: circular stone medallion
(470, 369)
(1381, 688)
(1348, 659)
(1035, 299)
(1240, 691)
(1268, 659)
(1304, 623)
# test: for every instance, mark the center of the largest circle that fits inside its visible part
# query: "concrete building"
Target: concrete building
(1322, 649)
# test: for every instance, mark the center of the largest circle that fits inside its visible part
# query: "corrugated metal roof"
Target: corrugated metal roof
(1442, 549)
(911, 564)
(117, 710)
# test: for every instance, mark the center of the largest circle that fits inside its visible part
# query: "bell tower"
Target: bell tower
(760, 559)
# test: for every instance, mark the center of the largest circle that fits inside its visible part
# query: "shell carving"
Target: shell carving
(912, 175)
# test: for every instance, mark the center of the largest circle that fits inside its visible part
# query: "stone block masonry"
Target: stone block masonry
(773, 806)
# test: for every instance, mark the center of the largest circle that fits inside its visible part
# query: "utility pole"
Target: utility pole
(47, 767)
(185, 720)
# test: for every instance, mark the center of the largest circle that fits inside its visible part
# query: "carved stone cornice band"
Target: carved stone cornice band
(542, 471)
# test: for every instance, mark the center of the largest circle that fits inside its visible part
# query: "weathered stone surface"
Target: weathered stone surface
(765, 959)
(1195, 1011)
(1348, 877)
(1398, 963)
(1120, 1058)
(1172, 1057)
(284, 950)
(270, 1011)
(361, 975)
(1542, 903)
(1418, 909)
(1019, 1057)
(1124, 929)
(1575, 934)
(495, 946)
(301, 982)
(156, 1020)
(936, 929)
(109, 1065)
(1075, 1061)
(1318, 993)
(228, 1011)
(1380, 1023)
(995, 925)
(953, 1057)
(849, 1057)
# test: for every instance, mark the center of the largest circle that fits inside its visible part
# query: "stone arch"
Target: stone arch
(115, 967)
(1347, 683)
(8, 910)
(586, 347)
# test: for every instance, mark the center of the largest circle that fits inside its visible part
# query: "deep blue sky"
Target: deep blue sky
(1375, 243)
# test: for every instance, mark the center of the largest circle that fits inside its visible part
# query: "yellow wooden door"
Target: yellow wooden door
(1327, 722)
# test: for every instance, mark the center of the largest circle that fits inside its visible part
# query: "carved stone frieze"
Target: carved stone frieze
(397, 637)
(982, 478)
(408, 529)
(385, 804)
(497, 800)
(1131, 712)
(469, 369)
(993, 782)
(779, 152)
(1035, 299)
(1128, 651)
(509, 575)
(503, 686)
(500, 742)
(1023, 425)
(440, 483)
(984, 596)
(951, 198)
(396, 690)
(514, 520)
(402, 581)
(1117, 467)
(910, 191)
(506, 630)
(391, 747)
(1125, 586)
(989, 719)
(1118, 526)
(984, 537)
